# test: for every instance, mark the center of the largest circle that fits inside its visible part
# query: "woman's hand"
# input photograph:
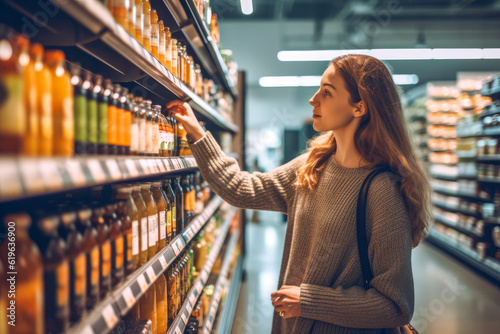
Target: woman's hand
(286, 301)
(183, 113)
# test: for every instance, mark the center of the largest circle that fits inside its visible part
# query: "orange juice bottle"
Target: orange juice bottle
(162, 46)
(121, 120)
(155, 34)
(146, 34)
(152, 211)
(147, 307)
(139, 21)
(120, 12)
(131, 17)
(161, 304)
(142, 215)
(43, 83)
(174, 57)
(12, 124)
(30, 96)
(113, 118)
(168, 49)
(62, 104)
(125, 105)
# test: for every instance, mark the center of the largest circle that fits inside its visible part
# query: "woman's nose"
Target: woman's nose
(313, 102)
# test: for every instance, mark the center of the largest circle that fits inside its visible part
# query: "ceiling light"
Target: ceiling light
(315, 80)
(246, 7)
(392, 54)
(405, 79)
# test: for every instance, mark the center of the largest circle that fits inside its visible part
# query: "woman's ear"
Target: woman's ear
(360, 109)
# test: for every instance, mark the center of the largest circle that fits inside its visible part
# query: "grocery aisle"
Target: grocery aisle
(449, 297)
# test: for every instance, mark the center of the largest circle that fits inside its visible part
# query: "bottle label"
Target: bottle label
(169, 223)
(153, 229)
(142, 135)
(163, 226)
(163, 140)
(135, 237)
(170, 140)
(144, 233)
(168, 53)
(117, 259)
(105, 260)
(147, 30)
(149, 137)
(174, 218)
(134, 136)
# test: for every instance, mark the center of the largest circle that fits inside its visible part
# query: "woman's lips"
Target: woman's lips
(316, 116)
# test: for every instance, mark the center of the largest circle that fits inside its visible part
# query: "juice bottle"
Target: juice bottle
(92, 255)
(142, 113)
(162, 219)
(171, 136)
(134, 127)
(174, 57)
(142, 214)
(62, 104)
(149, 128)
(168, 208)
(30, 95)
(162, 50)
(122, 121)
(131, 18)
(80, 110)
(179, 201)
(113, 119)
(43, 100)
(168, 48)
(156, 130)
(180, 62)
(55, 275)
(103, 98)
(29, 279)
(155, 34)
(95, 88)
(199, 81)
(181, 140)
(127, 213)
(152, 219)
(171, 294)
(187, 71)
(139, 21)
(77, 264)
(169, 191)
(147, 307)
(12, 124)
(186, 195)
(178, 291)
(104, 251)
(127, 123)
(120, 12)
(190, 72)
(117, 244)
(3, 301)
(163, 135)
(146, 35)
(161, 304)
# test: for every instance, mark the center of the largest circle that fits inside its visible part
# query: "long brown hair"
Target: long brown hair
(382, 137)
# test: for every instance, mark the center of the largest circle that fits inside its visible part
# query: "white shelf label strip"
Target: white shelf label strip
(129, 297)
(142, 283)
(151, 274)
(109, 316)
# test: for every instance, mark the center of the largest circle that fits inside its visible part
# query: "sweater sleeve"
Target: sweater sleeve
(259, 191)
(389, 302)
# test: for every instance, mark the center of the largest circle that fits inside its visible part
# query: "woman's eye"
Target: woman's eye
(326, 93)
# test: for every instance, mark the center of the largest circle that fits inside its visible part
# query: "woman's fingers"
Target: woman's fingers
(174, 103)
(281, 308)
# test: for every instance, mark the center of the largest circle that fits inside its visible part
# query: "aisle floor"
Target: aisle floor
(449, 297)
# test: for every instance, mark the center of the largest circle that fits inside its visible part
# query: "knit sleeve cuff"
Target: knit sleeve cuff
(205, 148)
(313, 302)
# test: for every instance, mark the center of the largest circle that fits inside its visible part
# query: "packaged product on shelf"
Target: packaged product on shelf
(179, 201)
(94, 87)
(143, 223)
(134, 127)
(131, 17)
(175, 54)
(180, 62)
(120, 11)
(168, 212)
(147, 308)
(142, 114)
(117, 244)
(161, 304)
(163, 134)
(139, 21)
(156, 130)
(104, 250)
(162, 36)
(169, 192)
(30, 276)
(171, 294)
(152, 212)
(199, 81)
(162, 220)
(149, 128)
(146, 34)
(126, 123)
(103, 98)
(155, 34)
(80, 111)
(168, 49)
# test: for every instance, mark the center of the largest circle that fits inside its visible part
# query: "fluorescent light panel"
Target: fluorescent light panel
(314, 80)
(246, 7)
(392, 54)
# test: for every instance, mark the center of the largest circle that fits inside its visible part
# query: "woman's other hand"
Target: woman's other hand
(183, 113)
(286, 301)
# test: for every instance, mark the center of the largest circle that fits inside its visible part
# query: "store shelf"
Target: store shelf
(456, 227)
(22, 178)
(459, 194)
(490, 111)
(220, 285)
(108, 312)
(488, 267)
(196, 32)
(493, 131)
(489, 179)
(445, 177)
(488, 157)
(180, 322)
(456, 210)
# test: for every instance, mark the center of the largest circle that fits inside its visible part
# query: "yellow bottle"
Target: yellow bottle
(162, 45)
(143, 224)
(155, 34)
(139, 21)
(161, 304)
(120, 12)
(131, 17)
(152, 219)
(62, 104)
(146, 33)
(174, 57)
(147, 308)
(168, 49)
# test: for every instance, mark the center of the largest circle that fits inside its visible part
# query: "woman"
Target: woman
(320, 287)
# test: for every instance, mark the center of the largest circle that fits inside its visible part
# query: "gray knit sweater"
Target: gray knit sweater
(320, 253)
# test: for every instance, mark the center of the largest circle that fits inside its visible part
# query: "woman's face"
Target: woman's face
(331, 107)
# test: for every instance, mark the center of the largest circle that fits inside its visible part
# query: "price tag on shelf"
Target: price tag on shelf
(32, 180)
(96, 170)
(212, 312)
(204, 276)
(180, 246)
(178, 330)
(192, 299)
(128, 296)
(161, 166)
(113, 169)
(145, 166)
(87, 330)
(189, 307)
(142, 283)
(132, 168)
(189, 233)
(175, 248)
(75, 172)
(184, 318)
(152, 166)
(166, 162)
(163, 262)
(151, 274)
(50, 174)
(199, 287)
(109, 316)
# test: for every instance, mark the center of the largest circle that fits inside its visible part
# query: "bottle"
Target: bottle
(186, 195)
(104, 251)
(12, 124)
(103, 98)
(182, 143)
(92, 255)
(131, 18)
(169, 192)
(171, 136)
(192, 195)
(179, 201)
(142, 214)
(128, 215)
(120, 12)
(55, 275)
(146, 34)
(162, 50)
(152, 219)
(155, 34)
(178, 278)
(190, 73)
(77, 264)
(187, 71)
(29, 95)
(171, 294)
(163, 135)
(161, 304)
(168, 211)
(125, 122)
(147, 308)
(43, 100)
(30, 277)
(199, 81)
(117, 244)
(80, 111)
(139, 21)
(62, 104)
(134, 128)
(168, 49)
(180, 62)
(113, 119)
(142, 113)
(162, 219)
(156, 130)
(149, 128)
(174, 57)
(94, 89)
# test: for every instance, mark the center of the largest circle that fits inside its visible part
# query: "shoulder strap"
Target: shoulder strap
(361, 227)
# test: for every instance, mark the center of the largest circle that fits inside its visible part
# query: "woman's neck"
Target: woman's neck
(347, 154)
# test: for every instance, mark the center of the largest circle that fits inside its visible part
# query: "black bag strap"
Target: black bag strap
(361, 227)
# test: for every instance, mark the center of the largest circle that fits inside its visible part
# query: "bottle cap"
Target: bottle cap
(20, 219)
(36, 50)
(54, 56)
